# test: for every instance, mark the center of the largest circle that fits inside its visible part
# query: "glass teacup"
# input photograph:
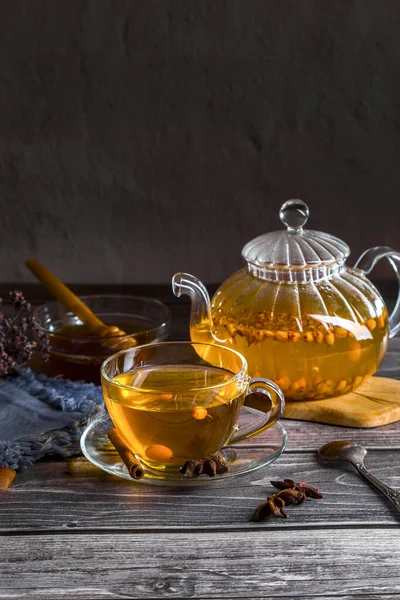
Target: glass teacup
(178, 401)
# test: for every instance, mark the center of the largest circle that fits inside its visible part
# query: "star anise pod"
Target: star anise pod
(274, 505)
(20, 335)
(291, 493)
(309, 490)
(211, 465)
(270, 507)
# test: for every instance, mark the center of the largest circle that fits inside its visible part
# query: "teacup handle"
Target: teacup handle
(266, 396)
(367, 262)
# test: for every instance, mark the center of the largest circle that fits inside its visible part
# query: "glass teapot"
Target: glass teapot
(297, 312)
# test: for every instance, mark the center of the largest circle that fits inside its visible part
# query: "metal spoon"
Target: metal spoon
(354, 454)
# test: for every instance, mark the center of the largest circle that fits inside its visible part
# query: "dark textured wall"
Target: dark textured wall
(143, 137)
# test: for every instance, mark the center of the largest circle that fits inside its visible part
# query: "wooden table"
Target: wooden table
(70, 531)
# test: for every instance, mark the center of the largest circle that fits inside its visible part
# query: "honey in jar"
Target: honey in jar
(76, 354)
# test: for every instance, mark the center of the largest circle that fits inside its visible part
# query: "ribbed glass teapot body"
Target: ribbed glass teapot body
(315, 339)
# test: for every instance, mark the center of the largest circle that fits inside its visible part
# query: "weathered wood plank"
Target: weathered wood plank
(362, 596)
(251, 564)
(75, 495)
(305, 436)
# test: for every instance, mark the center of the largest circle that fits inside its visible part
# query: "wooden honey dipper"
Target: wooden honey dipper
(71, 301)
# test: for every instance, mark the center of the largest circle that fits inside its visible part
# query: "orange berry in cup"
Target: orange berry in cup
(200, 413)
(159, 452)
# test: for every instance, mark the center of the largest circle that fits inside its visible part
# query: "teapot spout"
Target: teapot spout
(200, 318)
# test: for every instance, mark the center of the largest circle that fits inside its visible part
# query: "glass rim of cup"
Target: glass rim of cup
(237, 376)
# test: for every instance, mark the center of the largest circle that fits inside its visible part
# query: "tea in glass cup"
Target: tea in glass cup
(178, 401)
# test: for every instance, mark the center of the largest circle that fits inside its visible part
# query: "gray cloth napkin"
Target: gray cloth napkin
(41, 416)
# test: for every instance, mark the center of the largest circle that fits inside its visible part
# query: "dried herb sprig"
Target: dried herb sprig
(291, 493)
(20, 335)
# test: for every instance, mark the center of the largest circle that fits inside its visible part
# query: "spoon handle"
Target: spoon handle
(390, 494)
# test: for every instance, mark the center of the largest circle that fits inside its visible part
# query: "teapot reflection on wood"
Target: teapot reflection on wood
(297, 312)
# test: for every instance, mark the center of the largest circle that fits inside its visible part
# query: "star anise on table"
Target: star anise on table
(211, 465)
(291, 493)
(309, 490)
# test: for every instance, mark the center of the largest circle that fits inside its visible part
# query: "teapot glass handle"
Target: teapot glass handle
(367, 262)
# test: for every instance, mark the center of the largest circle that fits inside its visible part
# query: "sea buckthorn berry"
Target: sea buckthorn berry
(341, 385)
(329, 387)
(294, 336)
(281, 336)
(319, 336)
(232, 330)
(381, 321)
(159, 452)
(357, 381)
(329, 338)
(300, 383)
(340, 332)
(321, 388)
(199, 413)
(268, 334)
(299, 388)
(308, 337)
(259, 335)
(355, 351)
(283, 383)
(371, 324)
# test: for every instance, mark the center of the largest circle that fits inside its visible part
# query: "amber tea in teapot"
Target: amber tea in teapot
(317, 362)
(298, 313)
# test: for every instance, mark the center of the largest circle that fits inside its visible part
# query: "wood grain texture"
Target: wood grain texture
(310, 436)
(250, 564)
(77, 496)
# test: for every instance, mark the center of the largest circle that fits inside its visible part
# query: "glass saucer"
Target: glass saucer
(242, 457)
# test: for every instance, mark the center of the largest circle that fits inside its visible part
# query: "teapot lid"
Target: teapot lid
(281, 254)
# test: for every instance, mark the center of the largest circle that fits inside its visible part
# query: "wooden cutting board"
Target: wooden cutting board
(376, 402)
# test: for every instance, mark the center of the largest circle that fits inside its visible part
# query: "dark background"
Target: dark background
(139, 138)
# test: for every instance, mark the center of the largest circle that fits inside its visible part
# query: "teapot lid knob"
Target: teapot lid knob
(294, 214)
